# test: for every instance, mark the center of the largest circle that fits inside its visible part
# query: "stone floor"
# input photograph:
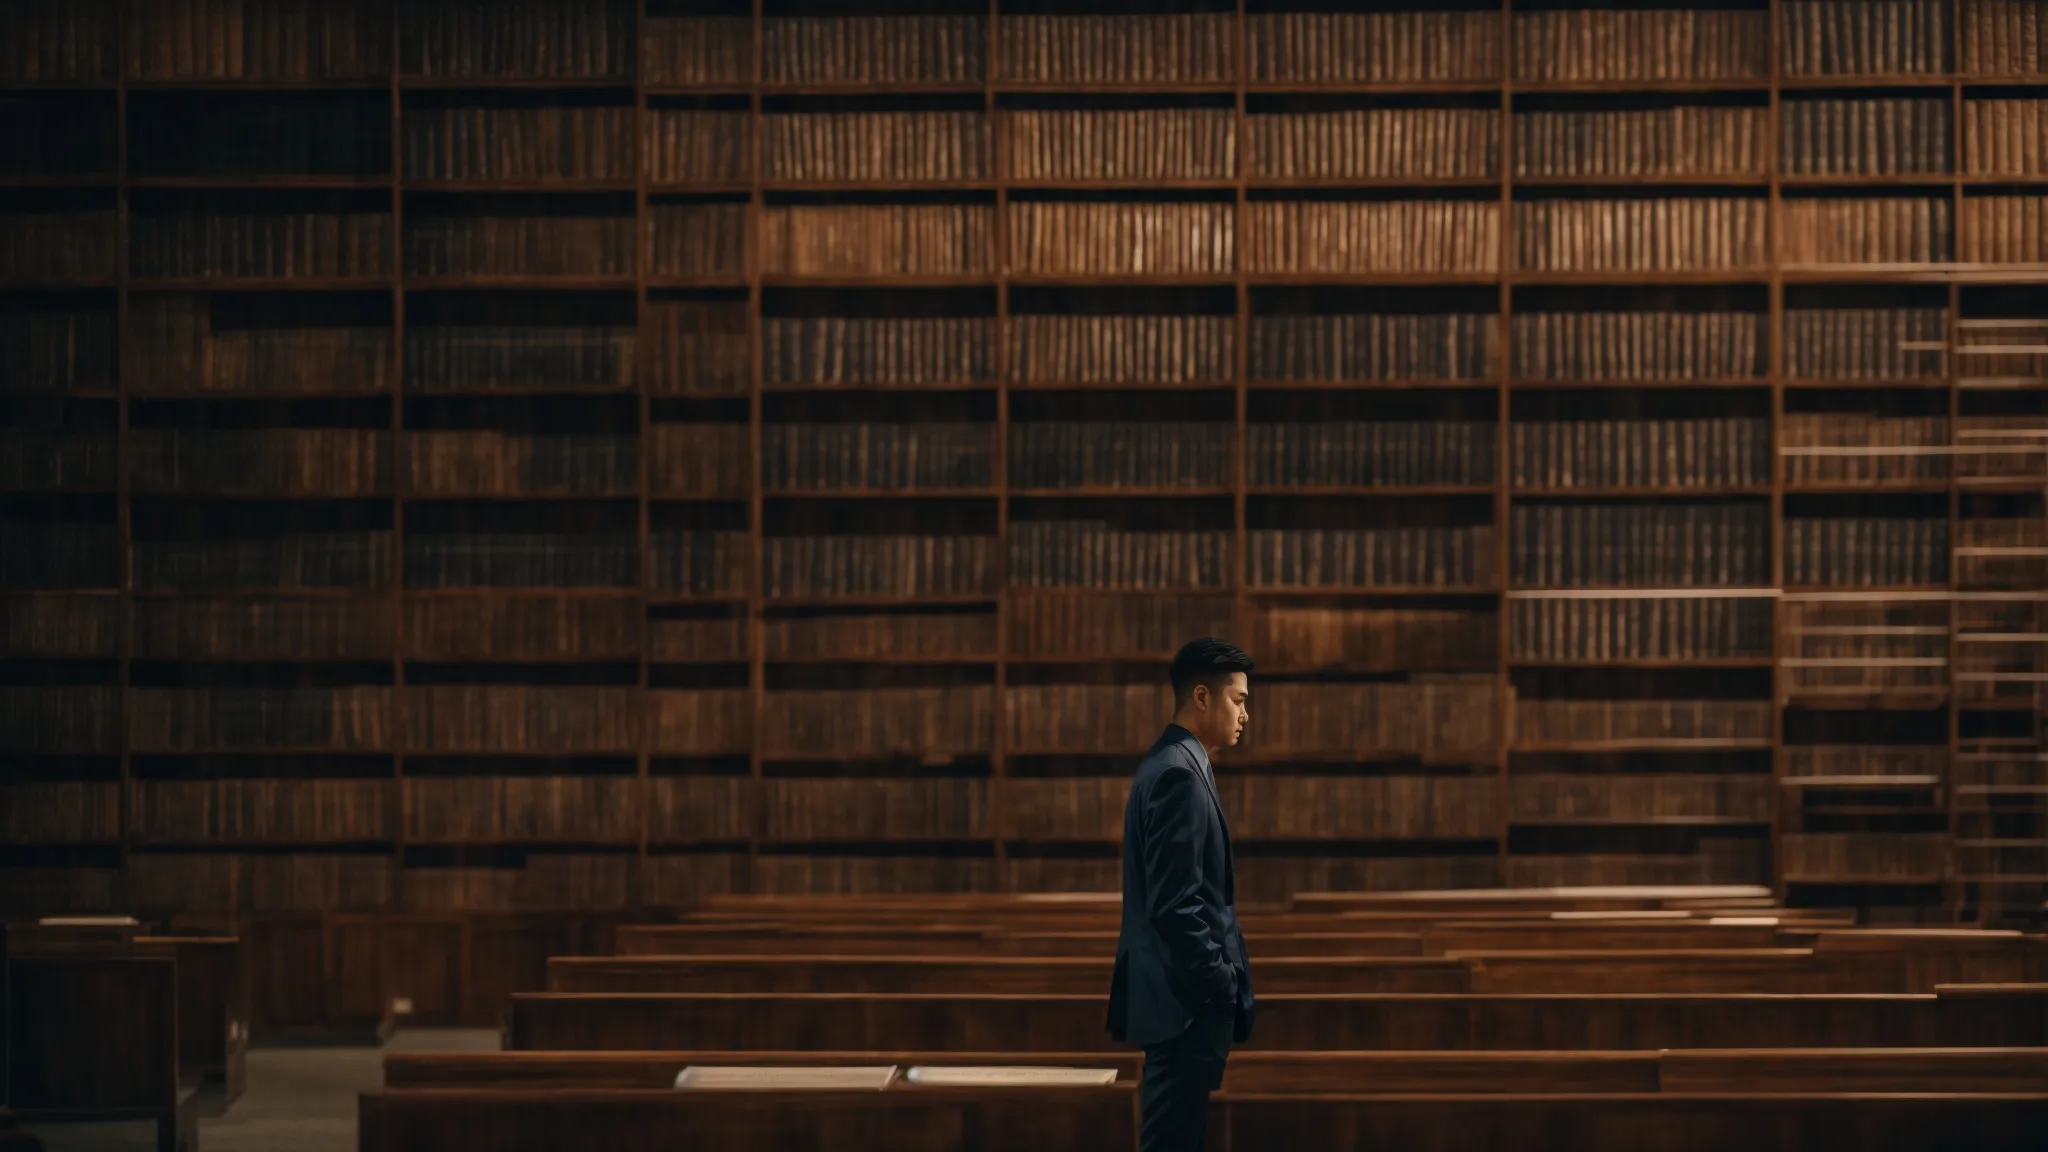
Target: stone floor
(296, 1100)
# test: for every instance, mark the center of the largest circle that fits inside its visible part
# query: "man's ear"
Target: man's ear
(1199, 696)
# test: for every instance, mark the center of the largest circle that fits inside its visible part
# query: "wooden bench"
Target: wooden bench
(1941, 956)
(1605, 898)
(1321, 936)
(1580, 899)
(1995, 1016)
(855, 921)
(972, 974)
(1774, 970)
(868, 940)
(1101, 1119)
(1261, 945)
(901, 1119)
(213, 1013)
(93, 1036)
(766, 904)
(1667, 1122)
(1547, 935)
(2011, 1070)
(213, 994)
(520, 1071)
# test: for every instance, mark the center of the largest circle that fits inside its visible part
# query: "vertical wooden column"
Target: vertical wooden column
(401, 805)
(756, 667)
(997, 819)
(123, 454)
(1241, 439)
(1957, 893)
(1774, 369)
(1503, 460)
(643, 255)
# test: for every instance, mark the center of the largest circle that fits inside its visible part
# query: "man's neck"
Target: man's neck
(1207, 749)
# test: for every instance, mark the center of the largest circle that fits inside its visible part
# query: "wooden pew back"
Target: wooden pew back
(926, 940)
(93, 1032)
(2023, 1070)
(905, 1119)
(213, 1009)
(1593, 935)
(2008, 1017)
(1577, 899)
(969, 974)
(521, 1071)
(1668, 1122)
(1101, 1119)
(1773, 970)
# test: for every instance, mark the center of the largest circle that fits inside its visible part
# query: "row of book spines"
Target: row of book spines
(1605, 45)
(1119, 48)
(478, 143)
(1873, 644)
(200, 39)
(370, 375)
(225, 882)
(1424, 237)
(1866, 429)
(1533, 524)
(680, 459)
(178, 321)
(1899, 857)
(1820, 39)
(183, 323)
(2004, 38)
(1326, 566)
(1596, 630)
(1555, 456)
(1805, 761)
(1640, 453)
(1885, 37)
(550, 627)
(214, 882)
(1446, 719)
(682, 881)
(1538, 721)
(1822, 687)
(428, 707)
(584, 810)
(1866, 550)
(1844, 137)
(1852, 344)
(797, 453)
(1568, 545)
(1336, 740)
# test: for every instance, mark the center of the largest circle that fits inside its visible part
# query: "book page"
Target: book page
(1021, 1076)
(785, 1079)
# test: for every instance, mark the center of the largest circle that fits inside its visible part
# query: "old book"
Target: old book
(1007, 1077)
(769, 1078)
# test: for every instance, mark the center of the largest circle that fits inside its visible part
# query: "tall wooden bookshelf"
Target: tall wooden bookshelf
(582, 455)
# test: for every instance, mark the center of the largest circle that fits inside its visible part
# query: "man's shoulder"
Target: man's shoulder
(1168, 754)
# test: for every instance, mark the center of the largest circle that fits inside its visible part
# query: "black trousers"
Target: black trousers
(1173, 1096)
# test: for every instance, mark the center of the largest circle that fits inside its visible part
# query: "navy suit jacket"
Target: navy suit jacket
(1179, 948)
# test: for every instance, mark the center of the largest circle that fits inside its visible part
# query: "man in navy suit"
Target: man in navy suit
(1182, 989)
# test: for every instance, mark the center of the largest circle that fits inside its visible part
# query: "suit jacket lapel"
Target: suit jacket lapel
(1208, 775)
(1206, 771)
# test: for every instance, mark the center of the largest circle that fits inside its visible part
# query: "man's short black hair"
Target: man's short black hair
(1206, 661)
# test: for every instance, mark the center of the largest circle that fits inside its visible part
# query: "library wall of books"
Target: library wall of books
(584, 455)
